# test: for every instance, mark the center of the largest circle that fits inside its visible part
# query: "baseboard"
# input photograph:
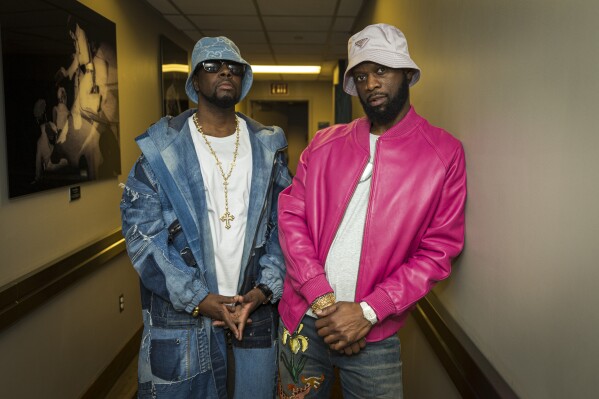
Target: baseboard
(103, 384)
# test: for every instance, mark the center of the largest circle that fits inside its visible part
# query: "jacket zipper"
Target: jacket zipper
(366, 219)
(338, 222)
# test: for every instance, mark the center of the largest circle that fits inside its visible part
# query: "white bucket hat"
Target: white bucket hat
(380, 43)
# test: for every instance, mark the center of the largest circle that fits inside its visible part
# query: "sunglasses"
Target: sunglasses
(213, 66)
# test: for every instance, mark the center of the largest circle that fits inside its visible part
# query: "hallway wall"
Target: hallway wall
(60, 349)
(516, 81)
(318, 94)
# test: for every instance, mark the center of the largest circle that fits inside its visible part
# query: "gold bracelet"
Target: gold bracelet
(195, 312)
(323, 301)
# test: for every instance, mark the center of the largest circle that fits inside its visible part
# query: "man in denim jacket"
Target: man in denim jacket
(199, 214)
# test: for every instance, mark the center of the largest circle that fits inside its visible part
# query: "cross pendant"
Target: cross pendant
(227, 218)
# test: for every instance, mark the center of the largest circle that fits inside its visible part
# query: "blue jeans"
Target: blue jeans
(255, 372)
(306, 366)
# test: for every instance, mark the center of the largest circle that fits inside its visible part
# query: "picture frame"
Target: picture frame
(60, 95)
(174, 71)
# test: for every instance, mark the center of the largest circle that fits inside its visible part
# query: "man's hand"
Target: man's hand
(343, 327)
(240, 314)
(249, 303)
(354, 348)
(222, 310)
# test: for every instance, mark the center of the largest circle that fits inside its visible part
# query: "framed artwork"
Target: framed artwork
(60, 94)
(175, 70)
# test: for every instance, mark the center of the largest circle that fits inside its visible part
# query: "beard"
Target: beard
(386, 113)
(224, 101)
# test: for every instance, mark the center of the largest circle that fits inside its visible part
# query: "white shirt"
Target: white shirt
(227, 243)
(343, 260)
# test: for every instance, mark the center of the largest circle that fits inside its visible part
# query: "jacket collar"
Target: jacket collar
(407, 124)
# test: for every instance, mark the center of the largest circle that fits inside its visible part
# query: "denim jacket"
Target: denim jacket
(168, 238)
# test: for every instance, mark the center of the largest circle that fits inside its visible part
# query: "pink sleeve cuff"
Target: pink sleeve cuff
(315, 287)
(381, 303)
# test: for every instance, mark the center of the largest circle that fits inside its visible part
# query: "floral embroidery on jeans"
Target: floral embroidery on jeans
(295, 365)
(300, 392)
(295, 341)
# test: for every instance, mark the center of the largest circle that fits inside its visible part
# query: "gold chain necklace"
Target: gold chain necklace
(227, 217)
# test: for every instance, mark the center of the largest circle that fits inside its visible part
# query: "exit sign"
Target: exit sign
(279, 88)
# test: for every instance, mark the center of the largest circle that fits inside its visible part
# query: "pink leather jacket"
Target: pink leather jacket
(414, 222)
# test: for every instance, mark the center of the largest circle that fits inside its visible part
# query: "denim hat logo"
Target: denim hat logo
(217, 48)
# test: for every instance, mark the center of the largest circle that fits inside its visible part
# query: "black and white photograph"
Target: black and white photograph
(60, 95)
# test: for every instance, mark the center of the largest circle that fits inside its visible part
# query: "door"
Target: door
(292, 117)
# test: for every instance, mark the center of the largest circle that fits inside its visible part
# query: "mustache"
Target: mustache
(375, 95)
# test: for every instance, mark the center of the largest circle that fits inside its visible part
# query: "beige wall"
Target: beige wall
(319, 96)
(61, 348)
(517, 82)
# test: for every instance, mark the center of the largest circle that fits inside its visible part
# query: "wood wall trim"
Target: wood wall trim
(23, 296)
(104, 383)
(470, 371)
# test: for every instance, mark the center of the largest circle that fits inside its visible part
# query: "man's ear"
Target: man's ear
(409, 73)
(194, 82)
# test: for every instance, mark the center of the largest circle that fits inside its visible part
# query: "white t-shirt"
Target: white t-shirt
(343, 260)
(228, 243)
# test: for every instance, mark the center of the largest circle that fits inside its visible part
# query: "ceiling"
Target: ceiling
(272, 32)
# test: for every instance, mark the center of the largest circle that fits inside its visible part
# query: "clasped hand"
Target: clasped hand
(231, 312)
(343, 327)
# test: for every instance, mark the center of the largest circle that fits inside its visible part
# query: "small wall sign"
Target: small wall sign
(75, 192)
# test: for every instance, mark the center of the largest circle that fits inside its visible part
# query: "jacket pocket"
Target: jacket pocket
(177, 354)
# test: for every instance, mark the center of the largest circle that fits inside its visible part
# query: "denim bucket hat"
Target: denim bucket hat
(217, 48)
(382, 44)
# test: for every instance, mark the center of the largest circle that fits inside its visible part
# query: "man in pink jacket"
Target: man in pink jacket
(372, 220)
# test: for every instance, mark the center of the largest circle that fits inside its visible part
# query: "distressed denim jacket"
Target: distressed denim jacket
(168, 238)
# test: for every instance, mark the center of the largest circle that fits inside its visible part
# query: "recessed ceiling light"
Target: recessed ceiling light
(300, 69)
(175, 68)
